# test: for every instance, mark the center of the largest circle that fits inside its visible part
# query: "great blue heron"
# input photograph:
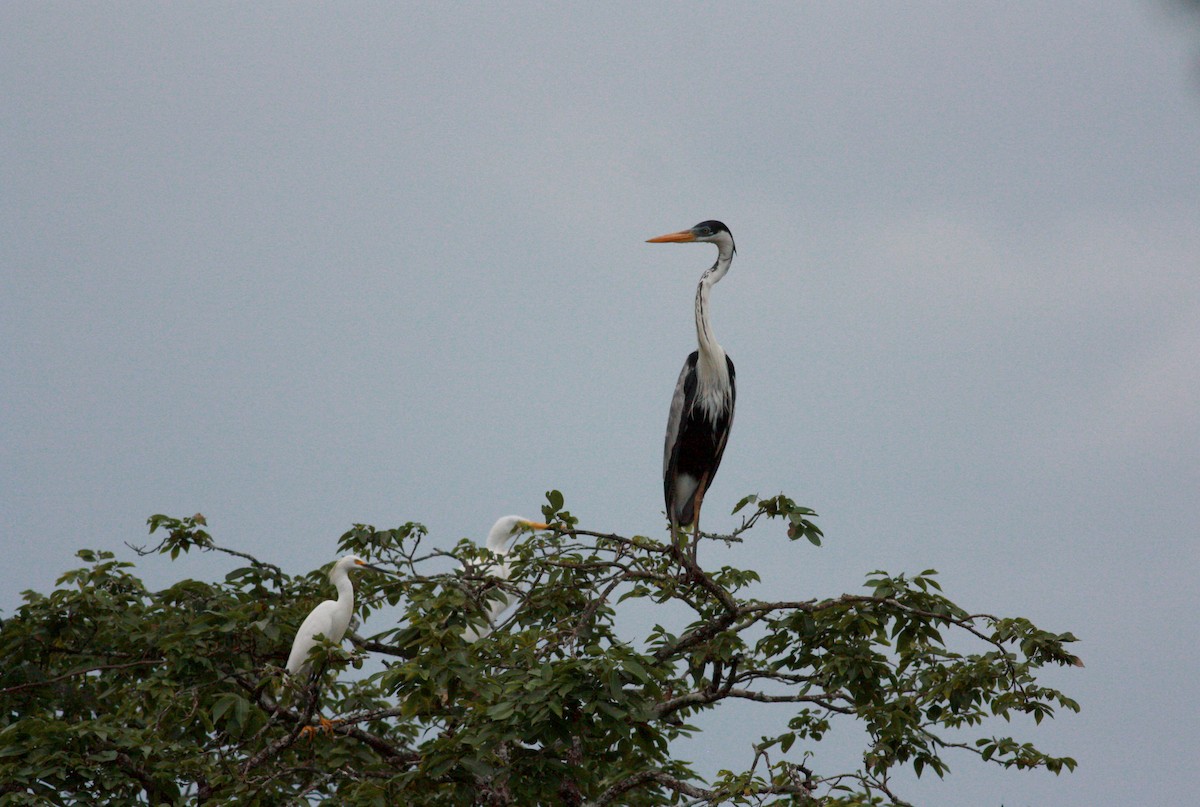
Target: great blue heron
(702, 408)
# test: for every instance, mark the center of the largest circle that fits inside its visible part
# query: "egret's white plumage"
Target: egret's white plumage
(500, 540)
(329, 619)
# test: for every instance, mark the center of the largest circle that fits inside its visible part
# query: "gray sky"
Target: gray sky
(296, 267)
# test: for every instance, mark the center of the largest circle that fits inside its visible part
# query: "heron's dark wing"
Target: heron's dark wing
(725, 425)
(697, 450)
(681, 403)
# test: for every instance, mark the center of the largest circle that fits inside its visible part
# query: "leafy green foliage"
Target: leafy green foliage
(177, 696)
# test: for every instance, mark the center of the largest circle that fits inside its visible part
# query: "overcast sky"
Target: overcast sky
(298, 266)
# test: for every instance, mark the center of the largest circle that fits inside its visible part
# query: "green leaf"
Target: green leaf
(183, 684)
(751, 499)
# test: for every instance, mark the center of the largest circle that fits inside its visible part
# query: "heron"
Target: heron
(702, 407)
(500, 541)
(331, 618)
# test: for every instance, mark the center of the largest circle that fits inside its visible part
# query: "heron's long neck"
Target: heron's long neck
(711, 352)
(713, 385)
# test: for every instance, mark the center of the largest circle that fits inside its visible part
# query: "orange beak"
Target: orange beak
(680, 237)
(536, 525)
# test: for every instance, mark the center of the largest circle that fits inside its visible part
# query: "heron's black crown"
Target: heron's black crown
(707, 229)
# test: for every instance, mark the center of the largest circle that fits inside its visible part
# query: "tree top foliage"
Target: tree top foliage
(110, 691)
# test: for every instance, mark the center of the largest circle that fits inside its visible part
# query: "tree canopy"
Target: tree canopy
(177, 696)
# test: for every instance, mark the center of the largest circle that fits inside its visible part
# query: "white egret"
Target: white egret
(332, 617)
(702, 407)
(500, 540)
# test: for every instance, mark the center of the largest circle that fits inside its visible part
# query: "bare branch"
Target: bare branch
(81, 671)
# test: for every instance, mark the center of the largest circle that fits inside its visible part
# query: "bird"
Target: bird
(331, 618)
(500, 540)
(702, 406)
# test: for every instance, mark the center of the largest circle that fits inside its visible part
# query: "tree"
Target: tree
(177, 696)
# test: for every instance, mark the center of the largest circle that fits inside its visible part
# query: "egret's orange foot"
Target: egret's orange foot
(326, 725)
